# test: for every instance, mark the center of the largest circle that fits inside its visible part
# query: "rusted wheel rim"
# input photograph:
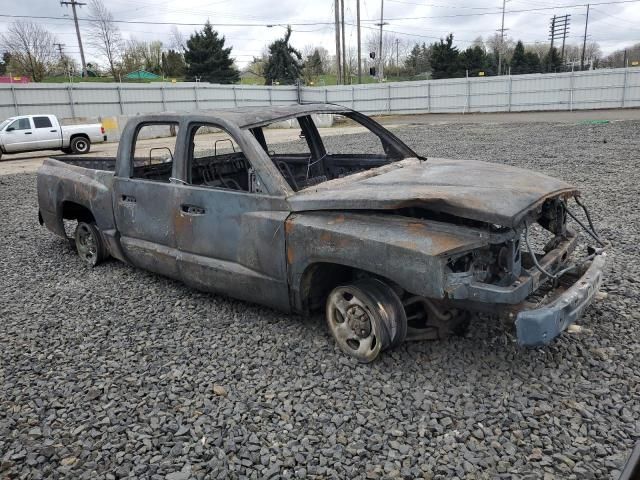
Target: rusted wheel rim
(87, 244)
(352, 324)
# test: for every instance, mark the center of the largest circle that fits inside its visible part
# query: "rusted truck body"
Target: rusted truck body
(392, 245)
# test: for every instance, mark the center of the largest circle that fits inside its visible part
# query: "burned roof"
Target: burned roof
(249, 117)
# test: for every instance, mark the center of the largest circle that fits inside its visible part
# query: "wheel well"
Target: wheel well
(75, 211)
(320, 278)
(76, 135)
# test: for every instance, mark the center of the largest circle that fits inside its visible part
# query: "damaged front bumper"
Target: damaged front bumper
(541, 325)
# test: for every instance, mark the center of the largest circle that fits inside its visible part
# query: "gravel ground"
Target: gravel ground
(114, 372)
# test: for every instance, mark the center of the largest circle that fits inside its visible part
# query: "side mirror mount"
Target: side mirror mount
(10, 129)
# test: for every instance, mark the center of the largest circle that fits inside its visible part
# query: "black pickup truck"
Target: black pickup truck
(392, 245)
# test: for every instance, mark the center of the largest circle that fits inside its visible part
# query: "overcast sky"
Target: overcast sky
(612, 26)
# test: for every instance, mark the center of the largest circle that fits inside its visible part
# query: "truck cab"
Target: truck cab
(30, 132)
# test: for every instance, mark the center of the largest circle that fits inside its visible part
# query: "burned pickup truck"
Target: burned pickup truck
(392, 245)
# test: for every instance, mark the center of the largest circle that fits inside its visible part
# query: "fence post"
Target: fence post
(195, 93)
(571, 92)
(120, 100)
(468, 95)
(353, 98)
(164, 102)
(624, 87)
(510, 89)
(326, 95)
(270, 96)
(70, 93)
(235, 98)
(15, 100)
(388, 98)
(429, 97)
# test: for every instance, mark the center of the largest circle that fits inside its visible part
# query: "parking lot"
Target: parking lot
(113, 372)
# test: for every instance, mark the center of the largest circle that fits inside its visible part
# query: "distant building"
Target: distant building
(141, 75)
(14, 79)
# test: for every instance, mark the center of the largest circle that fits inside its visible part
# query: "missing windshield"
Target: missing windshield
(310, 149)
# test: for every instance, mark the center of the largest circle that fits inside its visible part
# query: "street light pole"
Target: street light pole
(359, 47)
(380, 61)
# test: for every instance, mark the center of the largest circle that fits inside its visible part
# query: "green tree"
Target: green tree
(283, 65)
(445, 59)
(532, 61)
(418, 59)
(312, 67)
(207, 58)
(552, 61)
(4, 65)
(519, 64)
(474, 60)
(173, 64)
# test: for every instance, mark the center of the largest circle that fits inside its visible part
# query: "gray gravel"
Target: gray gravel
(114, 372)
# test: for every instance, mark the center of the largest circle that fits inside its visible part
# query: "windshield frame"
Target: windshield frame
(327, 166)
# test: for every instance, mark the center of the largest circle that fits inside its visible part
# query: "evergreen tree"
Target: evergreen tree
(283, 65)
(474, 60)
(552, 61)
(418, 59)
(173, 64)
(532, 61)
(312, 67)
(207, 58)
(4, 66)
(445, 59)
(519, 64)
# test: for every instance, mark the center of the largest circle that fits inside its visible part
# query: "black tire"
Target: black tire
(89, 244)
(80, 145)
(66, 151)
(365, 318)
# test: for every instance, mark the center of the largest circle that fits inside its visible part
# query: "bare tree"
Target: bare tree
(177, 39)
(31, 47)
(105, 35)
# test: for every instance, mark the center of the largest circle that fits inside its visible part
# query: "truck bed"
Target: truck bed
(96, 163)
(143, 167)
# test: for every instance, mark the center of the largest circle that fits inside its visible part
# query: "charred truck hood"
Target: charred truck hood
(474, 190)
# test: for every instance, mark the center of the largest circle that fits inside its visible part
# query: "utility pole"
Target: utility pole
(584, 40)
(397, 59)
(380, 61)
(344, 45)
(73, 4)
(338, 60)
(359, 47)
(60, 45)
(500, 48)
(559, 29)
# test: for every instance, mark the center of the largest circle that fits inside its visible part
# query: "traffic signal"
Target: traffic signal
(372, 71)
(372, 54)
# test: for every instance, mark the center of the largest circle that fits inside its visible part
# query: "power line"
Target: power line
(256, 24)
(577, 5)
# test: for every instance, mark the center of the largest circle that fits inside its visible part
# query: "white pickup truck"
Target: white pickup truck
(27, 133)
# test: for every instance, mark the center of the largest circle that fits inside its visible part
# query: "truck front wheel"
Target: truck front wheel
(89, 244)
(80, 145)
(365, 318)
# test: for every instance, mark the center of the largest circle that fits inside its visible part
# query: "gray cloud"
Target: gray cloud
(612, 26)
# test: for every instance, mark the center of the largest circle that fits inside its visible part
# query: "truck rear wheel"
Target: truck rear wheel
(365, 318)
(89, 244)
(80, 145)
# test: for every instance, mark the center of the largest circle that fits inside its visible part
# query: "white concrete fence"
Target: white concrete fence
(610, 88)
